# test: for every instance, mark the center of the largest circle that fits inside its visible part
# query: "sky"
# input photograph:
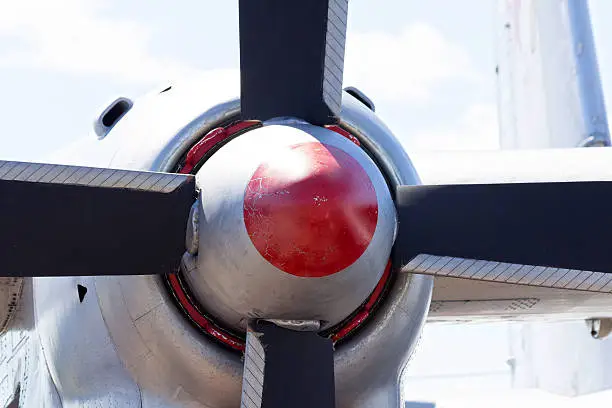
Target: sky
(429, 66)
(430, 74)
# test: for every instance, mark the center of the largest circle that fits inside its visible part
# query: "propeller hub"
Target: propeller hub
(300, 227)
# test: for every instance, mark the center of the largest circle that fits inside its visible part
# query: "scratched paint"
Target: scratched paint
(313, 215)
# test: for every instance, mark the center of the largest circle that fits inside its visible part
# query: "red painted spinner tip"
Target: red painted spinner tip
(311, 212)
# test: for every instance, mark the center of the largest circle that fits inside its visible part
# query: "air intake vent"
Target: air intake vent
(361, 97)
(111, 115)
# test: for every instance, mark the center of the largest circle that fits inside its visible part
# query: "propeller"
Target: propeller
(287, 366)
(292, 59)
(291, 65)
(537, 234)
(89, 221)
(78, 221)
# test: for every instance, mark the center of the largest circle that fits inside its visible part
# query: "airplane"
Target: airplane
(280, 248)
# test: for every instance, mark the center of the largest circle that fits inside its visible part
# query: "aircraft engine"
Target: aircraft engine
(307, 191)
(179, 337)
(268, 250)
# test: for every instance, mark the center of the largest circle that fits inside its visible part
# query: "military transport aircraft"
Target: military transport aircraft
(277, 249)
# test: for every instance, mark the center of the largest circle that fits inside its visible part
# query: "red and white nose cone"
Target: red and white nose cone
(296, 222)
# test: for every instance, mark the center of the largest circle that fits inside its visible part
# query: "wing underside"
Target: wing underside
(456, 299)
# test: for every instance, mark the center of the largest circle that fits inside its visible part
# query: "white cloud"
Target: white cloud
(407, 66)
(82, 37)
(74, 36)
(477, 129)
(418, 66)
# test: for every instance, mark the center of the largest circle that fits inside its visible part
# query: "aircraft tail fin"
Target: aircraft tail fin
(549, 88)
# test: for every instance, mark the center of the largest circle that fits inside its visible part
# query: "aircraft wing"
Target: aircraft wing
(474, 290)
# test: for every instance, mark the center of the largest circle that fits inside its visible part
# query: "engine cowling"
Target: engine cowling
(151, 339)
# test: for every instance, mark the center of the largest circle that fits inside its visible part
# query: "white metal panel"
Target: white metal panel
(549, 87)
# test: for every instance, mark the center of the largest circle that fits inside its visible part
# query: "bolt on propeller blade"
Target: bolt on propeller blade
(75, 221)
(540, 234)
(292, 58)
(287, 368)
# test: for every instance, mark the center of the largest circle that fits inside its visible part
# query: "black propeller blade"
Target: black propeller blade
(545, 234)
(287, 368)
(292, 58)
(291, 65)
(68, 220)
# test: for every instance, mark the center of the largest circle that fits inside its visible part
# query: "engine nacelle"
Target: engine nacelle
(173, 343)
